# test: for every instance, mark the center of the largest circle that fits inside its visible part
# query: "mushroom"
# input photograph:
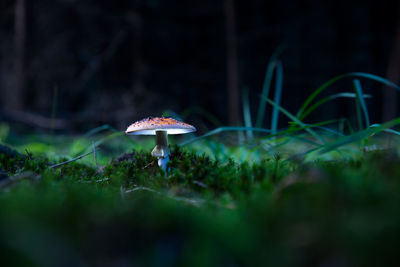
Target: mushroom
(160, 127)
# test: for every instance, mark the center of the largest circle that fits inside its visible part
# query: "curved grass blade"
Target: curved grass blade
(360, 96)
(316, 93)
(246, 113)
(337, 78)
(358, 136)
(342, 123)
(327, 99)
(267, 85)
(224, 129)
(104, 128)
(317, 125)
(108, 137)
(296, 120)
(291, 131)
(386, 130)
(277, 98)
(104, 139)
(358, 114)
(301, 156)
(98, 130)
(291, 138)
(285, 132)
(325, 129)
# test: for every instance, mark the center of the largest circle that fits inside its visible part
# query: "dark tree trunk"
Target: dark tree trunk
(15, 99)
(232, 63)
(393, 74)
(138, 68)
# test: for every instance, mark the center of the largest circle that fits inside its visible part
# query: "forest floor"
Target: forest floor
(206, 210)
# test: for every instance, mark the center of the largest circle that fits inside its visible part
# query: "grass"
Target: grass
(310, 194)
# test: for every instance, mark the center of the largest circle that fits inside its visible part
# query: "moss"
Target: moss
(274, 212)
(10, 160)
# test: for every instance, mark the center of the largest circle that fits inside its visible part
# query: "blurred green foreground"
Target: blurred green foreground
(203, 212)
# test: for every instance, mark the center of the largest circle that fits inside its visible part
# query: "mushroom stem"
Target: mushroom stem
(161, 151)
(162, 162)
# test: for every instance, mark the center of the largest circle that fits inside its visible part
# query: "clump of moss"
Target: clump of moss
(343, 212)
(190, 173)
(11, 160)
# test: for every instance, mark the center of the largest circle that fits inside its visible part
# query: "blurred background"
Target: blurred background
(72, 65)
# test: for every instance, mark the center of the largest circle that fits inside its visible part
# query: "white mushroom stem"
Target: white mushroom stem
(161, 151)
(162, 162)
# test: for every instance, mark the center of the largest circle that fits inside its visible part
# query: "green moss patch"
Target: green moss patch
(201, 212)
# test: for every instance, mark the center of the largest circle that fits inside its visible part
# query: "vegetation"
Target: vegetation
(270, 178)
(203, 211)
(310, 194)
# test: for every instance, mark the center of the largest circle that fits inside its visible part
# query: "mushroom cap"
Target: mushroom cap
(150, 125)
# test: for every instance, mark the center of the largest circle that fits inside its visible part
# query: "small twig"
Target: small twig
(102, 180)
(190, 201)
(200, 184)
(142, 188)
(71, 160)
(16, 178)
(150, 164)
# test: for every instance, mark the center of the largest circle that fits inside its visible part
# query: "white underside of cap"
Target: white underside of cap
(153, 131)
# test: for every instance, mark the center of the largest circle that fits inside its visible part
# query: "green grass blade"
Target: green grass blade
(289, 132)
(386, 130)
(337, 78)
(358, 136)
(358, 114)
(342, 123)
(262, 130)
(327, 99)
(316, 93)
(294, 119)
(277, 99)
(113, 135)
(288, 139)
(107, 138)
(106, 127)
(301, 155)
(267, 85)
(329, 130)
(360, 96)
(374, 78)
(98, 130)
(224, 129)
(246, 113)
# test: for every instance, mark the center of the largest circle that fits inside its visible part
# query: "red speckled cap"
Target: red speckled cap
(150, 125)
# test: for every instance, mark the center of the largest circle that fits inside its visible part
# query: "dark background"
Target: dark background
(91, 62)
